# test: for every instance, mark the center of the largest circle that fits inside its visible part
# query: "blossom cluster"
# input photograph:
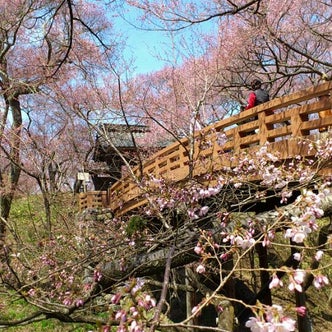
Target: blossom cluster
(304, 217)
(132, 307)
(185, 199)
(323, 147)
(308, 208)
(271, 319)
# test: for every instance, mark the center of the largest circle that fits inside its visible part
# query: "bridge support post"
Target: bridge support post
(264, 128)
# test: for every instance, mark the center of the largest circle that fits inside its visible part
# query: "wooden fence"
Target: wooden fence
(92, 199)
(283, 122)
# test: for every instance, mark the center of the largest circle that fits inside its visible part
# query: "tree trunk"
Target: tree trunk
(14, 154)
(265, 276)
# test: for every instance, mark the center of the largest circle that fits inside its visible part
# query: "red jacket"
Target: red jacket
(251, 100)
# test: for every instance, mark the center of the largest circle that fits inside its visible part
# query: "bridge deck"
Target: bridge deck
(282, 122)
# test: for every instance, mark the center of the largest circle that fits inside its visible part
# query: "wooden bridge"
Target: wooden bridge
(284, 123)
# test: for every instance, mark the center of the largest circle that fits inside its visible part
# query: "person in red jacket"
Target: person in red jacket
(257, 95)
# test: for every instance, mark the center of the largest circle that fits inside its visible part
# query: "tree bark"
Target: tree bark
(13, 103)
(150, 263)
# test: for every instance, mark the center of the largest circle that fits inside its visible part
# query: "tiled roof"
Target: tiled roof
(120, 135)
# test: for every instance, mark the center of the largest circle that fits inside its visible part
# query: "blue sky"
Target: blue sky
(142, 45)
(145, 45)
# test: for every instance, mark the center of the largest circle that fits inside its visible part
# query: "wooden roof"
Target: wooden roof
(119, 135)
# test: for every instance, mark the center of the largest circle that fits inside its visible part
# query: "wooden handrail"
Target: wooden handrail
(280, 122)
(92, 199)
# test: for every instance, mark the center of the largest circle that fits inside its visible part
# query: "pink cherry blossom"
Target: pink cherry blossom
(256, 326)
(224, 256)
(192, 215)
(67, 301)
(320, 281)
(287, 324)
(200, 268)
(116, 298)
(79, 303)
(198, 249)
(296, 280)
(97, 275)
(299, 276)
(203, 211)
(275, 282)
(319, 255)
(195, 310)
(274, 320)
(299, 236)
(106, 328)
(133, 310)
(150, 302)
(121, 316)
(301, 311)
(32, 292)
(244, 242)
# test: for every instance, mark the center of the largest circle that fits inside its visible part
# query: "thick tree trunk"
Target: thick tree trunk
(14, 154)
(150, 263)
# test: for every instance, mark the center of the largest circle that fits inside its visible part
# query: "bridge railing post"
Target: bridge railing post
(296, 124)
(264, 127)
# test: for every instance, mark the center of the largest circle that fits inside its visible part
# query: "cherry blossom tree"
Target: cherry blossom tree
(43, 45)
(286, 45)
(191, 240)
(133, 265)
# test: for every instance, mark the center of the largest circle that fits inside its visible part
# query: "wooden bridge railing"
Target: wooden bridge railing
(92, 199)
(282, 122)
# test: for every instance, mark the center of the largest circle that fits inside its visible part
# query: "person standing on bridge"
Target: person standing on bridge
(257, 95)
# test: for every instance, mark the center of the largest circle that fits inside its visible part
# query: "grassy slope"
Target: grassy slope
(30, 209)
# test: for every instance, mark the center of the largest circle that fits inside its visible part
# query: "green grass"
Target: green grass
(51, 325)
(26, 225)
(13, 309)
